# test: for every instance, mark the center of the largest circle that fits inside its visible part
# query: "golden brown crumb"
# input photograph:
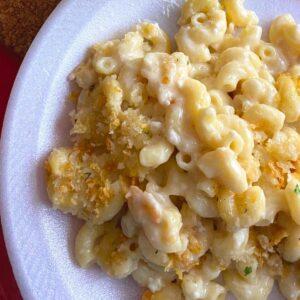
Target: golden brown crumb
(147, 295)
(278, 174)
(20, 21)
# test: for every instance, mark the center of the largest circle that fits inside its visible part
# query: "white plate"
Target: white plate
(39, 240)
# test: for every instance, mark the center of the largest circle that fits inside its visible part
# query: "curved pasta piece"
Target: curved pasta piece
(258, 288)
(85, 244)
(231, 74)
(131, 47)
(290, 247)
(179, 131)
(285, 32)
(203, 205)
(155, 38)
(265, 117)
(108, 57)
(292, 195)
(105, 58)
(260, 90)
(159, 218)
(84, 75)
(221, 102)
(156, 153)
(230, 245)
(204, 30)
(288, 283)
(129, 227)
(196, 97)
(199, 234)
(238, 14)
(154, 278)
(211, 267)
(249, 36)
(209, 128)
(164, 73)
(171, 291)
(222, 165)
(115, 254)
(194, 287)
(192, 7)
(243, 210)
(238, 54)
(272, 57)
(236, 64)
(200, 198)
(275, 202)
(151, 254)
(289, 97)
(285, 145)
(197, 52)
(242, 144)
(247, 267)
(132, 83)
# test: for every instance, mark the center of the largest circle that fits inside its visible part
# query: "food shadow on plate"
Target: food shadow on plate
(57, 136)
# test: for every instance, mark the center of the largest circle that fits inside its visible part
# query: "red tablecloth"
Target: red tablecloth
(9, 65)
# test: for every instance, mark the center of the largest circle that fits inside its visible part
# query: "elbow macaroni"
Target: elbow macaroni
(236, 64)
(159, 217)
(205, 29)
(272, 57)
(155, 154)
(242, 210)
(195, 287)
(265, 117)
(257, 289)
(260, 90)
(85, 243)
(249, 36)
(289, 284)
(289, 97)
(222, 165)
(284, 32)
(229, 246)
(152, 277)
(238, 14)
(185, 165)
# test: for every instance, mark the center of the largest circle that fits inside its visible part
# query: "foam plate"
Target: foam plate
(40, 240)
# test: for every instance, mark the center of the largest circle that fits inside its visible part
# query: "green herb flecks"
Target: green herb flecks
(247, 271)
(297, 189)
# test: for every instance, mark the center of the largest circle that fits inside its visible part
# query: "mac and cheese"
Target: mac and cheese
(185, 165)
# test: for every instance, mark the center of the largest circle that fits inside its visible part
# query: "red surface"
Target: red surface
(9, 65)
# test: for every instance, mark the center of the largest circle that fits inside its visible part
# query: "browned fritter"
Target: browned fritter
(20, 20)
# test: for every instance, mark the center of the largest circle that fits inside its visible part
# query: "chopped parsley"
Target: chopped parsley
(247, 271)
(297, 189)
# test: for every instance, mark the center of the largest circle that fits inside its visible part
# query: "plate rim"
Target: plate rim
(57, 16)
(7, 221)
